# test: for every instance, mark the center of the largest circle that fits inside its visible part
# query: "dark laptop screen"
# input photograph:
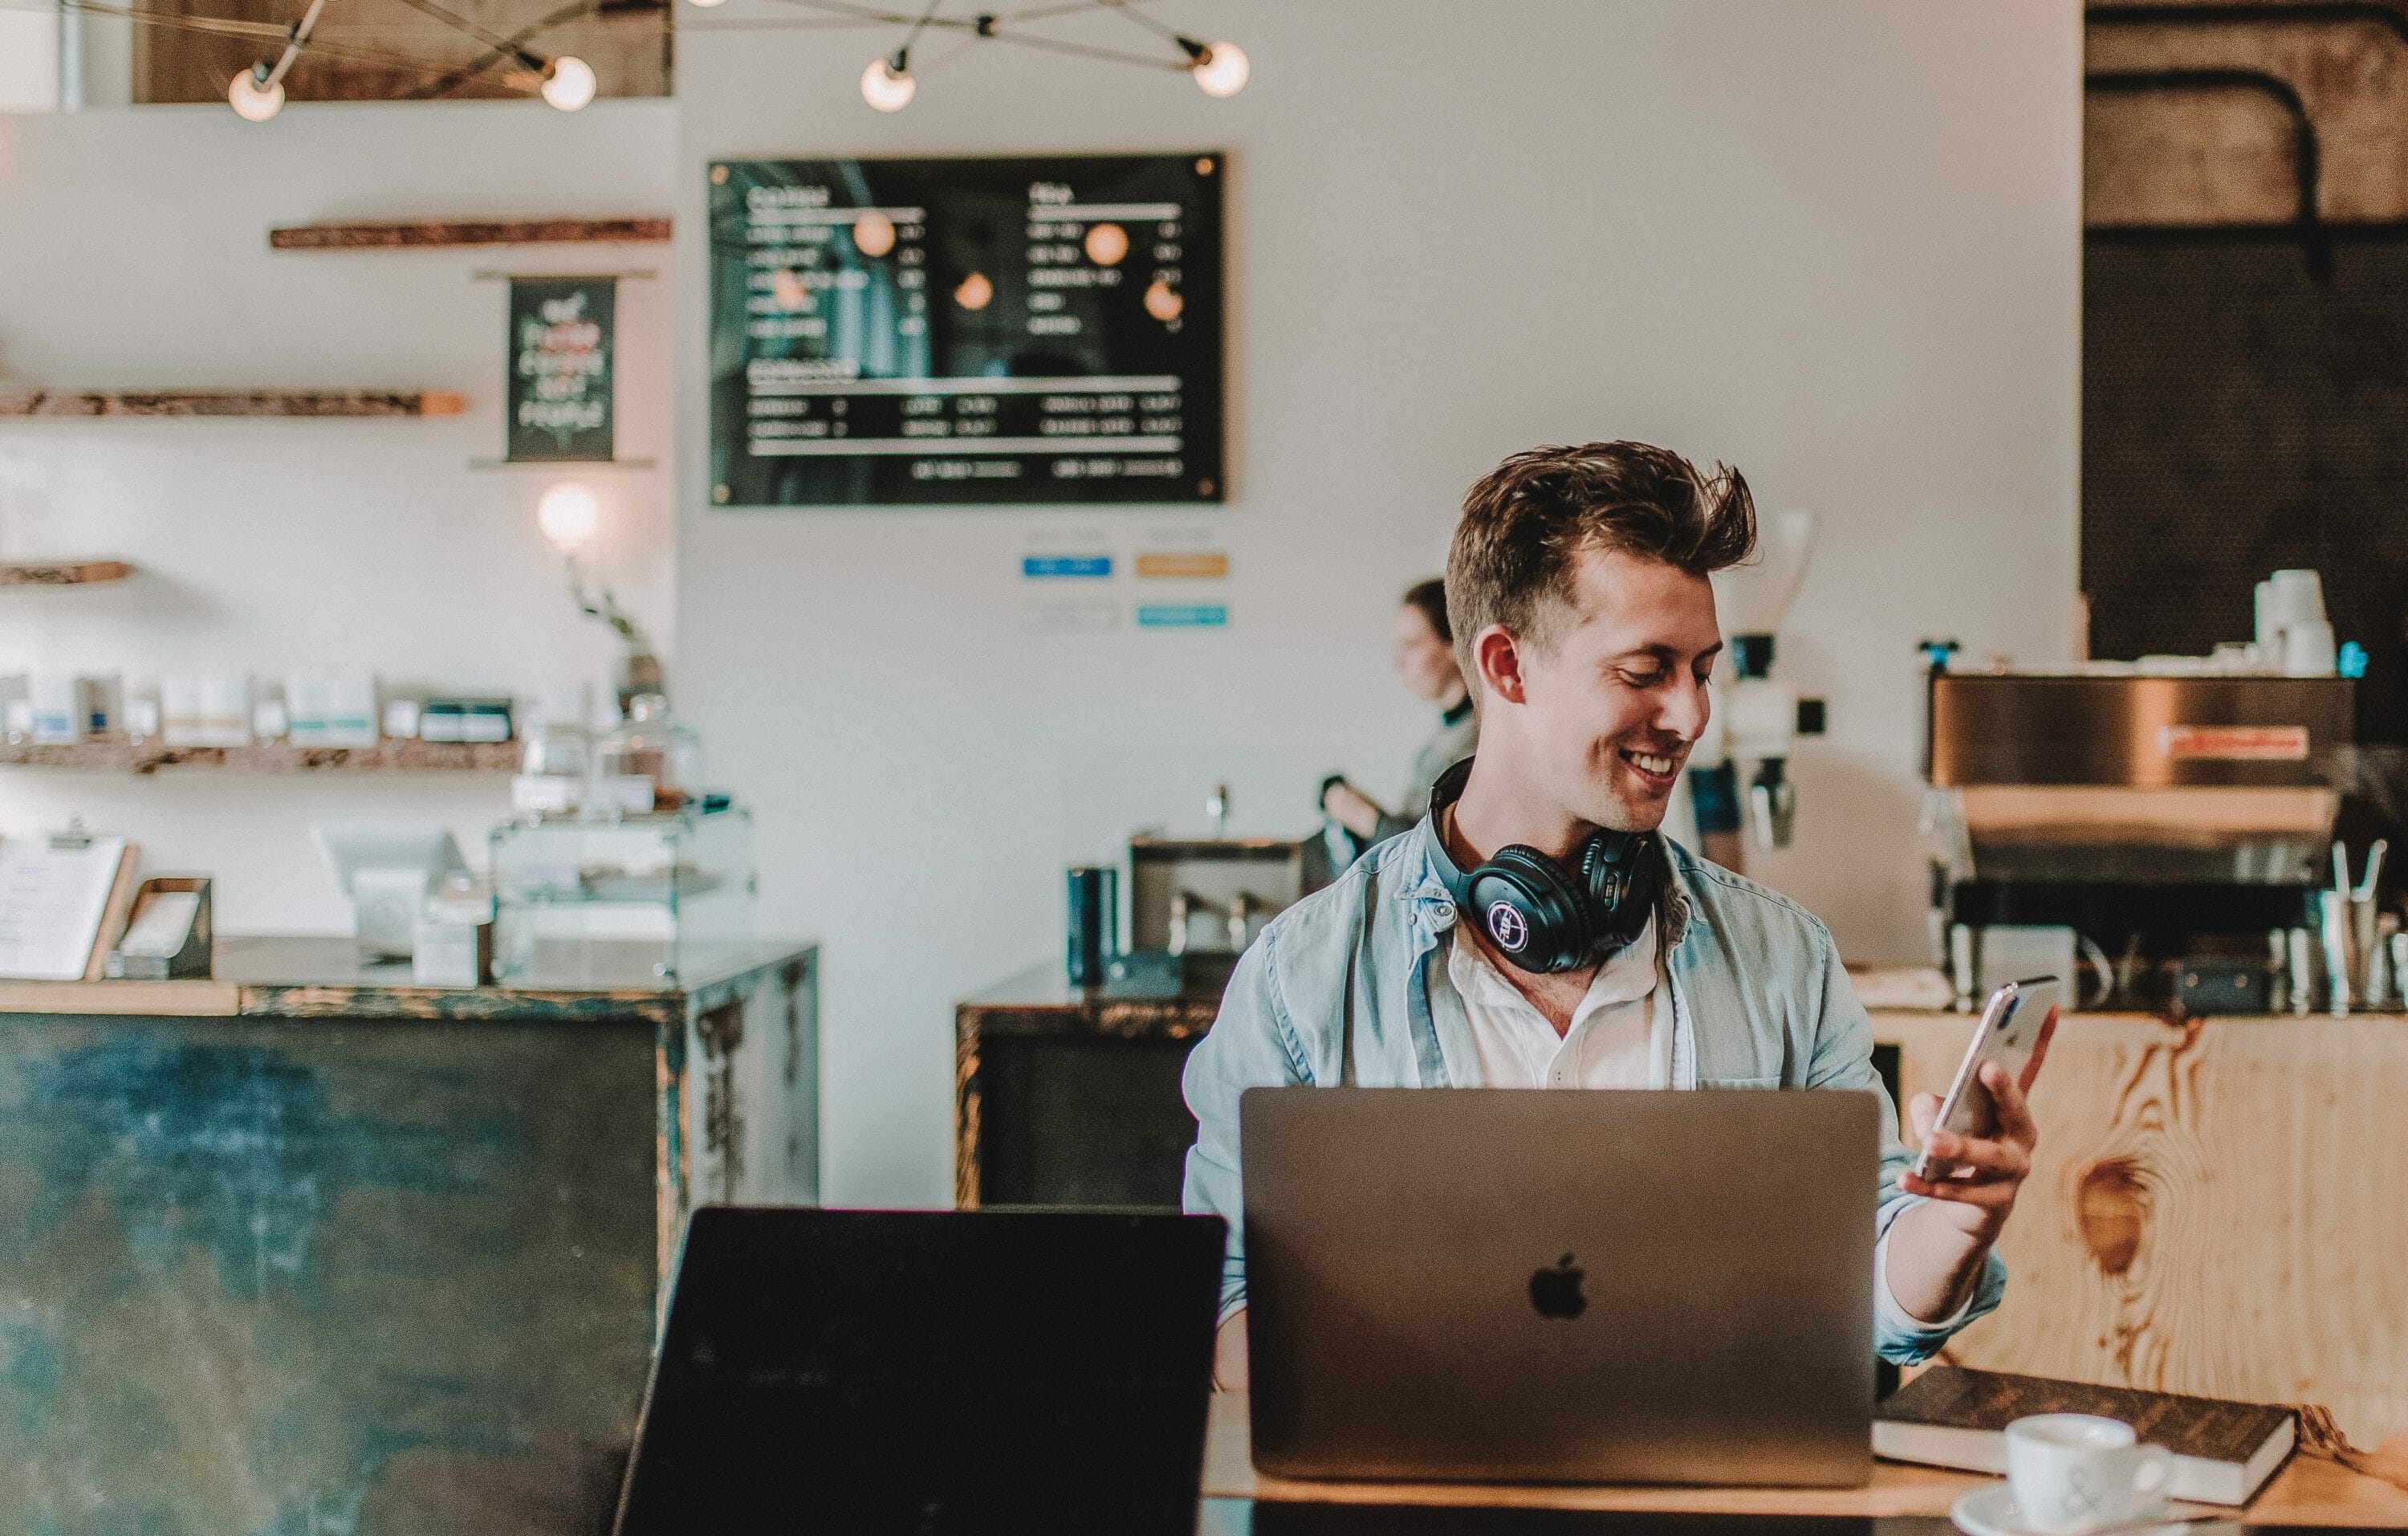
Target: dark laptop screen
(929, 1372)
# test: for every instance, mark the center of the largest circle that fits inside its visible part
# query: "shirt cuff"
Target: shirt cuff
(1902, 1321)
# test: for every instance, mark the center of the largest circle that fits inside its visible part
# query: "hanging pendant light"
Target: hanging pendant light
(569, 82)
(887, 83)
(1219, 68)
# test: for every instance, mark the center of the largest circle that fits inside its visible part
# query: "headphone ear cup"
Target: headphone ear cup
(1621, 873)
(1536, 918)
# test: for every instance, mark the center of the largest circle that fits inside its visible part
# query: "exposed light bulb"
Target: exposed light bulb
(569, 84)
(253, 102)
(707, 4)
(1221, 69)
(887, 83)
(567, 513)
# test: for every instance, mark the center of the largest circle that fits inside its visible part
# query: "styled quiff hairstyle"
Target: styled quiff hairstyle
(1527, 522)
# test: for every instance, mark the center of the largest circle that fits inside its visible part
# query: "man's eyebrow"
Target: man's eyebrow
(1666, 653)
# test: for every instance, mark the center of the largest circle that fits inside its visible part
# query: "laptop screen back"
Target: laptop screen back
(930, 1372)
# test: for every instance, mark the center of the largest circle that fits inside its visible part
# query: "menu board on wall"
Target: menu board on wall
(561, 363)
(1030, 329)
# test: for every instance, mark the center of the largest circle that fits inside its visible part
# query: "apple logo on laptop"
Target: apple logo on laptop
(1556, 1292)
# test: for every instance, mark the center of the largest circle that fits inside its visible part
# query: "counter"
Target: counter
(2218, 1207)
(306, 1247)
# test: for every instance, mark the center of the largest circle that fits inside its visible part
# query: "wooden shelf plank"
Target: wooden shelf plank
(62, 573)
(229, 402)
(117, 754)
(398, 236)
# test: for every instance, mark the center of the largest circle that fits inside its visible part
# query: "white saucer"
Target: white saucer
(1991, 1510)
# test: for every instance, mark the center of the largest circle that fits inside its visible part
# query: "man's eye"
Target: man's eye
(1645, 679)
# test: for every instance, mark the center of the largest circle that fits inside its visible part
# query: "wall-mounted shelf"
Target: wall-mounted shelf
(62, 573)
(459, 232)
(228, 402)
(117, 755)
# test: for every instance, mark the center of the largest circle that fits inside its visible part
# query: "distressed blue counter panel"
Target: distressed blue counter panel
(260, 1276)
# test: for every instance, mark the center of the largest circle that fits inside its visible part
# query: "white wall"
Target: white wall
(134, 251)
(1833, 243)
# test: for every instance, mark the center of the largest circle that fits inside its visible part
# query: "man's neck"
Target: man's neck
(1497, 809)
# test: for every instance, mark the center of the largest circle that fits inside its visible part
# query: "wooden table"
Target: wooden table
(2305, 1492)
(307, 1247)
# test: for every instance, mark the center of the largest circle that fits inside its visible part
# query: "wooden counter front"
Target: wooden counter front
(2218, 1208)
(307, 1247)
(2306, 1492)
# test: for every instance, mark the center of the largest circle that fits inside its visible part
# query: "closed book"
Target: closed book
(1950, 1416)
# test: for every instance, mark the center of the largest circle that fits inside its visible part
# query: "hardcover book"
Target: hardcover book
(1950, 1416)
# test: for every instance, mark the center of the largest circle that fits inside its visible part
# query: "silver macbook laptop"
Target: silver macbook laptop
(1507, 1285)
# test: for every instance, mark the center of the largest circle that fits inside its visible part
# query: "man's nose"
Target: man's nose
(1685, 711)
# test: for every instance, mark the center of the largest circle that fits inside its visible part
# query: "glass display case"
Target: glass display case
(575, 894)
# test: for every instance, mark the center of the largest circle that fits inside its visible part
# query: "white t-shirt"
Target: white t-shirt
(1617, 1039)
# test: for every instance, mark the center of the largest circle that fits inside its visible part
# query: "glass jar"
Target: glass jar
(652, 743)
(558, 747)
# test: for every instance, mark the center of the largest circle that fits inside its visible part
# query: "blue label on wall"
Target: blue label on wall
(1035, 566)
(1183, 615)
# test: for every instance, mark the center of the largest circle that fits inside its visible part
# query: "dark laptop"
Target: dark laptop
(929, 1372)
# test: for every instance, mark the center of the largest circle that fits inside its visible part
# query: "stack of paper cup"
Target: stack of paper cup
(2292, 630)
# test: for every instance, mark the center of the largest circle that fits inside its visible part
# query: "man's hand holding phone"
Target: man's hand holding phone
(1984, 1168)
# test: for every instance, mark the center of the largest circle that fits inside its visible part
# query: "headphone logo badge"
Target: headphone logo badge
(1507, 926)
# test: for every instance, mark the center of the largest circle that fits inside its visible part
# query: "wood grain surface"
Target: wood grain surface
(229, 402)
(119, 754)
(433, 233)
(62, 573)
(2304, 1492)
(2219, 1208)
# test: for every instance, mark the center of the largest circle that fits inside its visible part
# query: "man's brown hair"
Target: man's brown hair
(1529, 519)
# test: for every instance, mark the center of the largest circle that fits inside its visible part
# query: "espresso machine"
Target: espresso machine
(2170, 829)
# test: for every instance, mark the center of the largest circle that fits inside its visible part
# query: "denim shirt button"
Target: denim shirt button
(1443, 911)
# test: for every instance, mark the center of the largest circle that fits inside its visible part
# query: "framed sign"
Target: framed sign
(1030, 329)
(562, 354)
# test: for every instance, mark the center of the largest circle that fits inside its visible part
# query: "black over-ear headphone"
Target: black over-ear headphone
(1540, 916)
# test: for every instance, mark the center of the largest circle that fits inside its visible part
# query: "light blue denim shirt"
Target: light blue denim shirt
(1759, 1001)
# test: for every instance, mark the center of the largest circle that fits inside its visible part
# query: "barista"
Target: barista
(1424, 658)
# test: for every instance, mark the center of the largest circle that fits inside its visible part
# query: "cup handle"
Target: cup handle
(2153, 1469)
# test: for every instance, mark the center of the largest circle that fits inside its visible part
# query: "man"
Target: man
(1577, 586)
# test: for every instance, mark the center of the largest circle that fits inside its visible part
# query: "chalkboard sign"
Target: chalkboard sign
(1034, 329)
(561, 362)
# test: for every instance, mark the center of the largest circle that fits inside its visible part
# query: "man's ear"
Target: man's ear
(1497, 657)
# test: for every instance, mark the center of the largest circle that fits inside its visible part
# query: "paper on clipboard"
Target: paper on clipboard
(54, 893)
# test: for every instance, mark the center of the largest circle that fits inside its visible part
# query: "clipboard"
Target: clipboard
(63, 900)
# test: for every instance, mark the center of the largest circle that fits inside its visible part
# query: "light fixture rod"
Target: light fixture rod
(300, 35)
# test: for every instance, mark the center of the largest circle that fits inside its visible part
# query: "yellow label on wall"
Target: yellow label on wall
(1183, 562)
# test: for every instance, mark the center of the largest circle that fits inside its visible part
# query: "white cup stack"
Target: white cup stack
(2292, 630)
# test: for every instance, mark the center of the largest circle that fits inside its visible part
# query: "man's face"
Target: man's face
(1612, 705)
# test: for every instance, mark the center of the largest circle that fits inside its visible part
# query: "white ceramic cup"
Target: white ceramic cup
(2296, 597)
(2078, 1473)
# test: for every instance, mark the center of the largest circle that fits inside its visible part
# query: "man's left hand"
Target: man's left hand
(1988, 1171)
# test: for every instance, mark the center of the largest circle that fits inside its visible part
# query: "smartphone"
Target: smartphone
(2015, 1026)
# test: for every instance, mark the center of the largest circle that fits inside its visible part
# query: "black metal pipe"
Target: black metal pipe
(2314, 241)
(2309, 12)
